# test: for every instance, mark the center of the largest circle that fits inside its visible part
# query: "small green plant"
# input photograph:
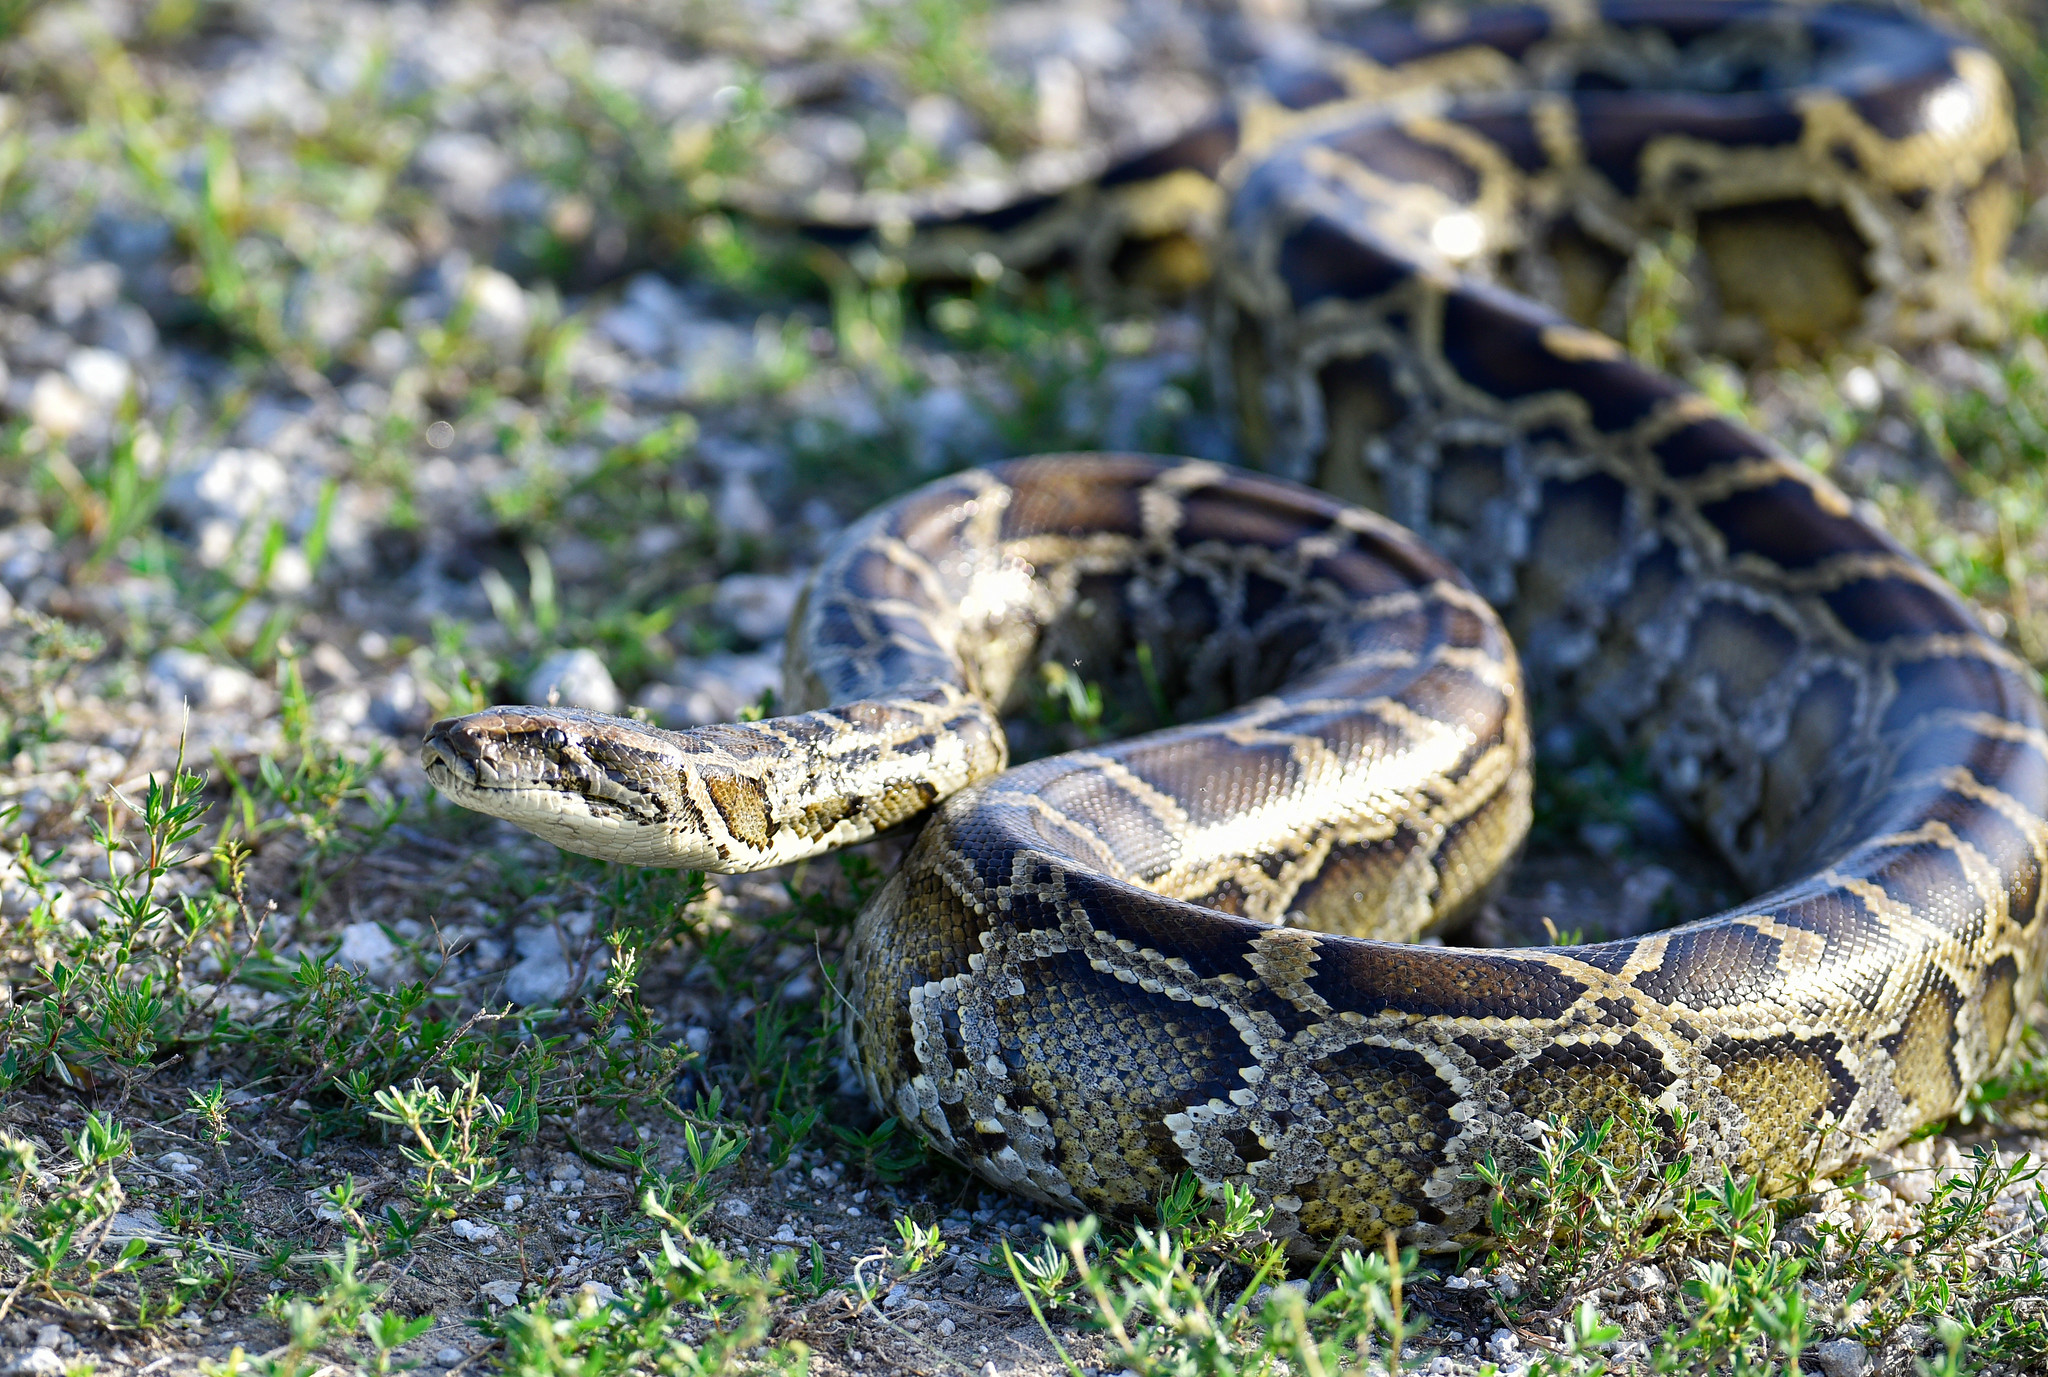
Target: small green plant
(686, 1193)
(888, 1151)
(1590, 1201)
(54, 1228)
(1204, 1292)
(454, 1152)
(320, 794)
(325, 1321)
(1936, 1271)
(1659, 297)
(1067, 696)
(50, 652)
(117, 995)
(688, 1310)
(918, 1245)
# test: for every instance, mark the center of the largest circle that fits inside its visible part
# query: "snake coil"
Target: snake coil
(1193, 950)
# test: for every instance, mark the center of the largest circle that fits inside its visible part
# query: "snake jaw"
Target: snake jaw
(589, 783)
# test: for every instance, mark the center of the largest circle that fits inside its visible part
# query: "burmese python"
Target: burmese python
(1104, 968)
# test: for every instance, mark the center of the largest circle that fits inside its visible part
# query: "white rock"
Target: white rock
(399, 707)
(75, 292)
(697, 1039)
(135, 1223)
(467, 167)
(1841, 1358)
(537, 939)
(713, 689)
(738, 1209)
(792, 165)
(328, 309)
(757, 606)
(471, 1230)
(24, 548)
(939, 122)
(1062, 101)
(501, 1292)
(542, 975)
(38, 1362)
(386, 352)
(597, 1293)
(656, 295)
(366, 947)
(711, 357)
(1504, 1345)
(291, 572)
(499, 313)
(635, 330)
(56, 404)
(180, 676)
(538, 980)
(449, 1357)
(574, 679)
(946, 424)
(101, 376)
(739, 510)
(266, 92)
(786, 1234)
(126, 329)
(1909, 1180)
(235, 484)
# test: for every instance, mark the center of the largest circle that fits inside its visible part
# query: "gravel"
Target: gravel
(574, 678)
(444, 383)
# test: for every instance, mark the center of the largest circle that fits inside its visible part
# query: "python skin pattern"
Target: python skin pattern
(1194, 949)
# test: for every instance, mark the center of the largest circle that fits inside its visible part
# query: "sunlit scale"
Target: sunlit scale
(1458, 235)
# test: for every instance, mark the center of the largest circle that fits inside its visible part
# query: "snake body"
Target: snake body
(1193, 950)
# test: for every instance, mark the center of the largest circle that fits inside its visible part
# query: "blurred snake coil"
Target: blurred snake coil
(1192, 950)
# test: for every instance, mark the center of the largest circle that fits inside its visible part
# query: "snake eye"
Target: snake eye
(554, 738)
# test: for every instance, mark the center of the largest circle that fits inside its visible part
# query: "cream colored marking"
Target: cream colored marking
(1557, 129)
(1580, 345)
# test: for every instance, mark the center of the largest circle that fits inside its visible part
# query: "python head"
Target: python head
(600, 786)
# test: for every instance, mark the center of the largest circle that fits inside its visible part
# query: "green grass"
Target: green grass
(170, 925)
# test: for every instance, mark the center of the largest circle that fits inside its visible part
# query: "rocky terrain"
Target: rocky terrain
(363, 364)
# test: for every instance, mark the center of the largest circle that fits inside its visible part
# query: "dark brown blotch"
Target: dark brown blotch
(1714, 966)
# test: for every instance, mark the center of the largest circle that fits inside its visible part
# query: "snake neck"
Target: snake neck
(730, 798)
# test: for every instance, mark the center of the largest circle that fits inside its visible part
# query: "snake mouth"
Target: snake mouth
(513, 760)
(508, 760)
(459, 756)
(443, 760)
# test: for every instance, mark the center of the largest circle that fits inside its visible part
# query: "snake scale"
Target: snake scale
(1194, 949)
